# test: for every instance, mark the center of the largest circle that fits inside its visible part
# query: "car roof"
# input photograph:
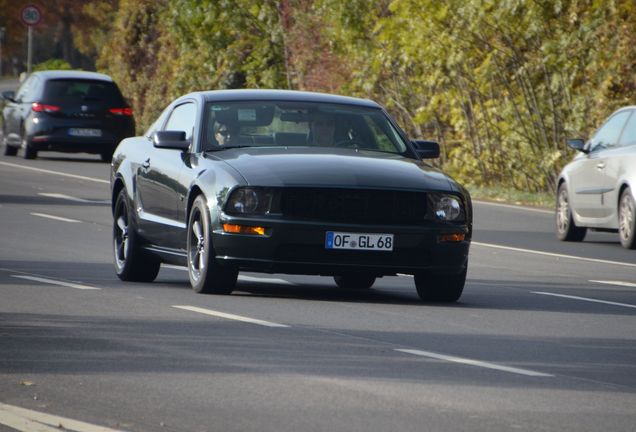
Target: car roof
(65, 74)
(284, 95)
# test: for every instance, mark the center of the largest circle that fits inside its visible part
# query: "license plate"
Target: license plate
(85, 132)
(359, 241)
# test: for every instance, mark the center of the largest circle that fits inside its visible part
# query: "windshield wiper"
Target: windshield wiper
(225, 147)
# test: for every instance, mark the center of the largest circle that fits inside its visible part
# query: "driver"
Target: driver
(322, 130)
(223, 134)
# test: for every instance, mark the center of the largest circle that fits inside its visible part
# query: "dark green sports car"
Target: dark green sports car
(286, 182)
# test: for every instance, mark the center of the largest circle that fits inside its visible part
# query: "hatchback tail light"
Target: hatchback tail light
(127, 111)
(40, 107)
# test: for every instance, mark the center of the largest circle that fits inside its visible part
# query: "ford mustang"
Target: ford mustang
(286, 182)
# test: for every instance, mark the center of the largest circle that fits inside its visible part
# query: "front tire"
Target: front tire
(566, 229)
(8, 150)
(440, 287)
(132, 263)
(206, 275)
(627, 219)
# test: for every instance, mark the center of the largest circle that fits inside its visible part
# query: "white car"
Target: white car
(597, 190)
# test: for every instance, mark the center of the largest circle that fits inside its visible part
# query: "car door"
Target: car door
(619, 161)
(158, 182)
(588, 180)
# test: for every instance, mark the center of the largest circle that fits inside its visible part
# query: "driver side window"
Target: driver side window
(607, 135)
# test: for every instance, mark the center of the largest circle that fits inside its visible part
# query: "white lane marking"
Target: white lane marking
(474, 363)
(23, 419)
(516, 207)
(617, 283)
(241, 277)
(56, 282)
(584, 299)
(55, 172)
(599, 261)
(71, 198)
(229, 316)
(57, 218)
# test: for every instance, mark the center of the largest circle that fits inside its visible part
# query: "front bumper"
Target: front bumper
(299, 248)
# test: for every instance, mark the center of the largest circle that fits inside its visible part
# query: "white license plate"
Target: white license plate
(358, 241)
(85, 132)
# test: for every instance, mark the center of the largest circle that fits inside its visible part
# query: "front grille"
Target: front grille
(357, 206)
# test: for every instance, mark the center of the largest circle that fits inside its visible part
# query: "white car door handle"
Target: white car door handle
(600, 165)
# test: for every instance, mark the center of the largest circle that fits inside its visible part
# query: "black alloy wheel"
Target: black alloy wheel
(354, 281)
(206, 275)
(566, 229)
(132, 263)
(440, 287)
(627, 219)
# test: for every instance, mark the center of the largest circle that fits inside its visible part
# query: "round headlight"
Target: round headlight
(448, 208)
(244, 201)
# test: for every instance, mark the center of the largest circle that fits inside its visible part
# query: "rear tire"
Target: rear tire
(206, 275)
(566, 229)
(627, 219)
(106, 157)
(132, 263)
(357, 281)
(441, 287)
(29, 151)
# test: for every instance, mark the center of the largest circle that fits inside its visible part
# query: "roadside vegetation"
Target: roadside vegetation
(499, 83)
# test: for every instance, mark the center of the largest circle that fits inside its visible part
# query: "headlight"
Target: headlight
(446, 207)
(249, 201)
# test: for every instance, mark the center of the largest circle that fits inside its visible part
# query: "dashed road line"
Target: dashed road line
(229, 316)
(584, 299)
(617, 283)
(57, 218)
(515, 207)
(72, 198)
(55, 172)
(472, 362)
(56, 282)
(26, 420)
(551, 254)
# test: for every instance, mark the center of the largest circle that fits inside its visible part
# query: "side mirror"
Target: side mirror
(577, 144)
(8, 95)
(426, 149)
(170, 140)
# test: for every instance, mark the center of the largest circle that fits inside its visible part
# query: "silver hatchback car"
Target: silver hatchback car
(597, 189)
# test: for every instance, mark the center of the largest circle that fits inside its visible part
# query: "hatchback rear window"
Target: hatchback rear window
(62, 91)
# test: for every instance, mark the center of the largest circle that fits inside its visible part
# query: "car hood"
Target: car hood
(280, 166)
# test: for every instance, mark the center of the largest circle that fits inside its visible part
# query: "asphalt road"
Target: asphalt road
(542, 340)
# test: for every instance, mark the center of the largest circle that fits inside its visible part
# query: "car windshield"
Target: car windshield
(80, 90)
(287, 124)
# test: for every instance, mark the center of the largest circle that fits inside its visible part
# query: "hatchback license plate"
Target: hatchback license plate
(85, 132)
(359, 241)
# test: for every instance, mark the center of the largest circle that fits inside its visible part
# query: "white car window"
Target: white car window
(607, 135)
(628, 138)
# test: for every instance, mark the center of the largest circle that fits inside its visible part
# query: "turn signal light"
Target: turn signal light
(451, 238)
(121, 111)
(40, 107)
(240, 229)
